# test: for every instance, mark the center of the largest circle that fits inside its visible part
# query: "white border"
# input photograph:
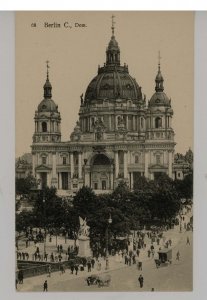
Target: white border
(7, 125)
(104, 5)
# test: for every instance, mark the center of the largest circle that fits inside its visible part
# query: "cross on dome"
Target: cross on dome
(113, 23)
(47, 65)
(159, 58)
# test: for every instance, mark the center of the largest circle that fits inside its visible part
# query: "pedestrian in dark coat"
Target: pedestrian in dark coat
(92, 262)
(21, 276)
(178, 255)
(76, 269)
(45, 286)
(89, 266)
(72, 269)
(141, 281)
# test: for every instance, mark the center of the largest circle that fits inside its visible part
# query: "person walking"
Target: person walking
(21, 277)
(45, 286)
(72, 269)
(89, 266)
(178, 255)
(49, 270)
(141, 280)
(76, 269)
(92, 262)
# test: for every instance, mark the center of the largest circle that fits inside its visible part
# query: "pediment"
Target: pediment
(43, 168)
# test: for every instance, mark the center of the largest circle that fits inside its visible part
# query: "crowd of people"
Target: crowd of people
(145, 245)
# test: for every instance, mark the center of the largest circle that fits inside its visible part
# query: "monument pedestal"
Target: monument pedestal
(84, 246)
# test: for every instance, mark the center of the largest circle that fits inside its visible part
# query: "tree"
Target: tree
(165, 202)
(85, 202)
(23, 220)
(184, 187)
(49, 209)
(140, 183)
(24, 185)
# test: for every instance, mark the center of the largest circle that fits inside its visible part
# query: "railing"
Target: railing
(31, 269)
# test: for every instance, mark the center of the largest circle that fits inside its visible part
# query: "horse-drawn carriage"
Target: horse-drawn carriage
(100, 280)
(165, 258)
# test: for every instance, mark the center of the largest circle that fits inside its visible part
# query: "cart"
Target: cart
(104, 280)
(93, 279)
(165, 258)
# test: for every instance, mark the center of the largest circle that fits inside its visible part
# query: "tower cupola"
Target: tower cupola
(159, 78)
(113, 51)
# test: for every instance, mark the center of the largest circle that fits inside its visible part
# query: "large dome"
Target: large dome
(113, 82)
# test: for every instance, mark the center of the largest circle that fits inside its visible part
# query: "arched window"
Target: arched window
(136, 159)
(142, 123)
(44, 127)
(158, 122)
(64, 160)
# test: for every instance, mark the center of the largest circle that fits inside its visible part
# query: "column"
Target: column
(110, 123)
(127, 122)
(60, 181)
(87, 178)
(79, 165)
(71, 165)
(116, 164)
(134, 125)
(146, 164)
(54, 165)
(33, 164)
(132, 180)
(125, 165)
(170, 164)
(111, 180)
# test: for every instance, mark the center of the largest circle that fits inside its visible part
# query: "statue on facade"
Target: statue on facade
(84, 228)
(81, 97)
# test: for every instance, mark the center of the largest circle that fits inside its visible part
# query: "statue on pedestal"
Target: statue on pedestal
(84, 239)
(84, 228)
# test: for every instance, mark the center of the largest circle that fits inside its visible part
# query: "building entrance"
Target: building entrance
(44, 180)
(101, 172)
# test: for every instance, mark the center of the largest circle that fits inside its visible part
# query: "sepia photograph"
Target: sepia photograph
(104, 151)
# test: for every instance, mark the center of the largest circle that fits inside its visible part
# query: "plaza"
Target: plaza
(174, 276)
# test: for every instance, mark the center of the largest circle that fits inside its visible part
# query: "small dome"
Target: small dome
(47, 84)
(159, 76)
(47, 105)
(159, 99)
(113, 44)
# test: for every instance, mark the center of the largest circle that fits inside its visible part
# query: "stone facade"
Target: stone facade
(119, 135)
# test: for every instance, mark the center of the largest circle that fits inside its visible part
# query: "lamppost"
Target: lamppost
(43, 200)
(84, 169)
(109, 221)
(181, 212)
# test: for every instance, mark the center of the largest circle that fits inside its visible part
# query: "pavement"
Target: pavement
(115, 265)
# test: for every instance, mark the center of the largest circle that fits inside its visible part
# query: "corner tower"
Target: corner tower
(47, 118)
(46, 138)
(159, 131)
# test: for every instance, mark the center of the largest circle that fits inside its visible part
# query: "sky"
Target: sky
(75, 53)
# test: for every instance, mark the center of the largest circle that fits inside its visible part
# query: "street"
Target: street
(174, 277)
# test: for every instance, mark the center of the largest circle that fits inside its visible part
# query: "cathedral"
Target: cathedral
(118, 136)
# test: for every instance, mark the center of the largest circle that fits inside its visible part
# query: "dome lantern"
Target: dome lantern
(47, 85)
(159, 78)
(113, 51)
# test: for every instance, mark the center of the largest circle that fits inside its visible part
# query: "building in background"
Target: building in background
(119, 135)
(23, 166)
